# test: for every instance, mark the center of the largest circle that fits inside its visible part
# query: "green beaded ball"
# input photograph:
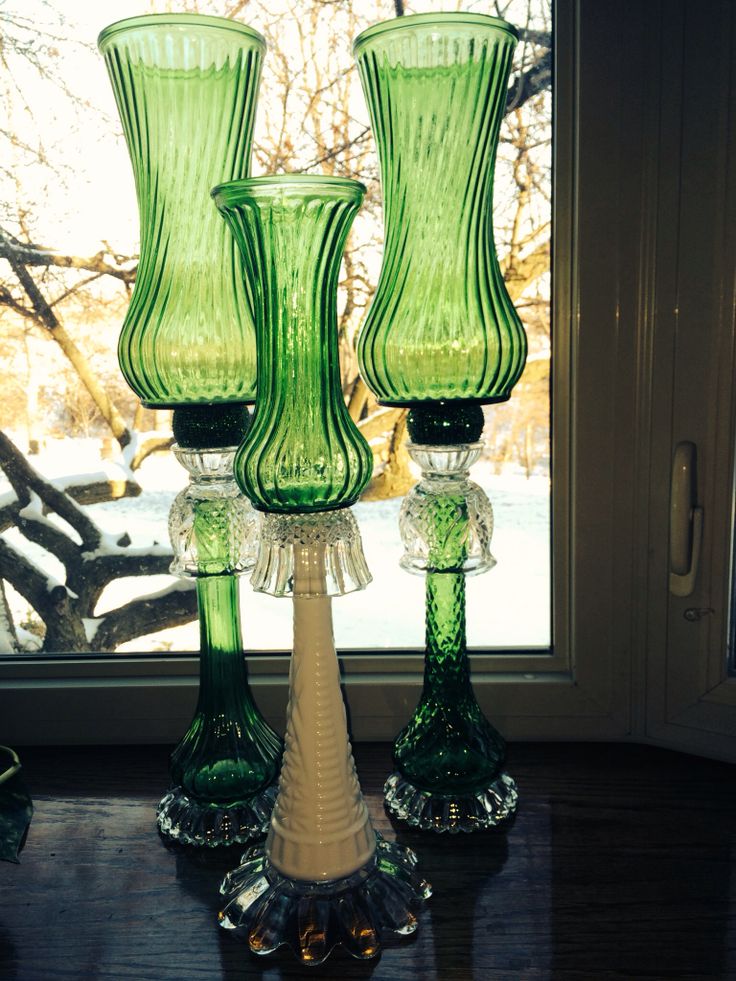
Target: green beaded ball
(445, 423)
(200, 427)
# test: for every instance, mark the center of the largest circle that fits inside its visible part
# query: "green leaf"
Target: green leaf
(16, 809)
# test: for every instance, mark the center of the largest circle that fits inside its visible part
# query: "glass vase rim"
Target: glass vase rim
(143, 21)
(235, 192)
(438, 19)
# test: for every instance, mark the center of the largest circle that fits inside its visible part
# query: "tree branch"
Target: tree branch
(45, 317)
(146, 615)
(97, 570)
(23, 478)
(529, 83)
(34, 255)
(24, 577)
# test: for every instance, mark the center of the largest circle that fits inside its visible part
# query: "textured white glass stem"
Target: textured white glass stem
(320, 828)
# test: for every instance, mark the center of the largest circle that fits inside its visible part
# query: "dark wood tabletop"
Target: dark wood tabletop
(621, 864)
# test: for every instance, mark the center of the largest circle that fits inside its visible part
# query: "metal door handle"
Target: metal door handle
(686, 521)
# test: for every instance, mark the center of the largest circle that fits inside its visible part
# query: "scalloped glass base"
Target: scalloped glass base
(432, 812)
(191, 822)
(360, 911)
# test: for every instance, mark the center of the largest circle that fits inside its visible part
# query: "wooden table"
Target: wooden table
(620, 864)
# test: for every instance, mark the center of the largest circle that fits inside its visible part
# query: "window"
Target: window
(312, 117)
(644, 187)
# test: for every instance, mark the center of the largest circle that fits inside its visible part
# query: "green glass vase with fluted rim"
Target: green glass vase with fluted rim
(185, 87)
(302, 453)
(441, 325)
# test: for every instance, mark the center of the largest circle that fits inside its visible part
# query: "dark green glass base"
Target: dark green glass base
(462, 812)
(361, 911)
(191, 822)
(447, 752)
(210, 425)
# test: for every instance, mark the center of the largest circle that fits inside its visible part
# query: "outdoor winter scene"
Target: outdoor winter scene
(87, 474)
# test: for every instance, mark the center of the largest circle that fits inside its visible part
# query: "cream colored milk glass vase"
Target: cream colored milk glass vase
(442, 338)
(323, 877)
(185, 87)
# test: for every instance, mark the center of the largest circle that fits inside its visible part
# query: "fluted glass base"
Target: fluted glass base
(189, 821)
(460, 812)
(341, 567)
(359, 911)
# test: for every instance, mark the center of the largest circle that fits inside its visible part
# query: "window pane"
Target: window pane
(71, 238)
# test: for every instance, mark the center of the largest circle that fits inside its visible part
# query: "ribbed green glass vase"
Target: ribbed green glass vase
(303, 452)
(441, 325)
(185, 87)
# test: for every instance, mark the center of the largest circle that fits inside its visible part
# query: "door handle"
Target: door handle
(686, 521)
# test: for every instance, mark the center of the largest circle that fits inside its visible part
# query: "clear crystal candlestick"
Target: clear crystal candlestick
(323, 876)
(224, 770)
(449, 759)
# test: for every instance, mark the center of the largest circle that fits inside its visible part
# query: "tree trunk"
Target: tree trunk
(47, 319)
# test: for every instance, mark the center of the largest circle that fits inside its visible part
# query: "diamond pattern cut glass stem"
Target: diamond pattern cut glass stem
(449, 758)
(448, 746)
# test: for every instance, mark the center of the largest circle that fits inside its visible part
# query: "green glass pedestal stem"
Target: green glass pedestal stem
(448, 747)
(230, 753)
(449, 758)
(224, 770)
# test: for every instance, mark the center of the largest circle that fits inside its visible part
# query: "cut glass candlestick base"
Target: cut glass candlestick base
(189, 821)
(452, 813)
(361, 911)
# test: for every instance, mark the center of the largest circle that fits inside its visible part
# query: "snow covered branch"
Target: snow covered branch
(91, 561)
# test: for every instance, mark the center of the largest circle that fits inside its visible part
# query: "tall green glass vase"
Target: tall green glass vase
(442, 337)
(323, 876)
(303, 452)
(441, 325)
(185, 87)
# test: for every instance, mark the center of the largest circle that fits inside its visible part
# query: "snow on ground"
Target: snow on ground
(510, 606)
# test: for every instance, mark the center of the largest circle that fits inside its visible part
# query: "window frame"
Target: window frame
(581, 689)
(690, 696)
